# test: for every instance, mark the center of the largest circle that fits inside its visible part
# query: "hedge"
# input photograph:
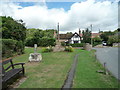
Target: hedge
(40, 41)
(77, 45)
(11, 47)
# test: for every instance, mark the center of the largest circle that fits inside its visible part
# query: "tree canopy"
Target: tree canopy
(12, 29)
(86, 36)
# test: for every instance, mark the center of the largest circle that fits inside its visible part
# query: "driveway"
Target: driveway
(110, 56)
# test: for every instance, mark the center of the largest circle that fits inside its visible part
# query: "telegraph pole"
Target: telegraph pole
(58, 32)
(91, 35)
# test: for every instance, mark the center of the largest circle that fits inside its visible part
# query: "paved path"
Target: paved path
(110, 56)
(69, 80)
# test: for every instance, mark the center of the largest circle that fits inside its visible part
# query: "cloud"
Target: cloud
(103, 15)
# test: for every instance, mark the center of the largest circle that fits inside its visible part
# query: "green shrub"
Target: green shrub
(47, 42)
(47, 49)
(96, 43)
(69, 49)
(31, 41)
(63, 43)
(40, 41)
(77, 45)
(11, 47)
(20, 47)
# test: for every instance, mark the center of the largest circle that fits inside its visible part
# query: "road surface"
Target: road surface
(111, 57)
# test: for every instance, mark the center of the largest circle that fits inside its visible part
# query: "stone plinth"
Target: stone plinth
(87, 47)
(35, 57)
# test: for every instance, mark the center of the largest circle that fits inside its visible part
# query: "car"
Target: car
(104, 43)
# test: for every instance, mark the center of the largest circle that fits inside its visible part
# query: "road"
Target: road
(110, 56)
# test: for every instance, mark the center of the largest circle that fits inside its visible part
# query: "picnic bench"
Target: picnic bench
(10, 71)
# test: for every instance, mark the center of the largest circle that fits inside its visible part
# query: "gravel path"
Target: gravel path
(69, 80)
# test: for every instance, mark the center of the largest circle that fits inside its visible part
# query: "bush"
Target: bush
(69, 49)
(11, 47)
(77, 45)
(40, 41)
(47, 49)
(20, 47)
(31, 41)
(63, 43)
(96, 43)
(113, 39)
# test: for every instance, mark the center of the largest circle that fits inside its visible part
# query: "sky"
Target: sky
(102, 14)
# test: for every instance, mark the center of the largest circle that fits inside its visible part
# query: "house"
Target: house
(70, 38)
(73, 38)
(96, 35)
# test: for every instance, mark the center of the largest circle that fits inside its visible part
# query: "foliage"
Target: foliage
(30, 32)
(105, 35)
(47, 42)
(12, 29)
(86, 36)
(77, 45)
(39, 33)
(69, 49)
(30, 41)
(97, 41)
(113, 39)
(47, 49)
(11, 47)
(63, 43)
(40, 41)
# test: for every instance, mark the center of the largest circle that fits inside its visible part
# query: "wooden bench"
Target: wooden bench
(10, 71)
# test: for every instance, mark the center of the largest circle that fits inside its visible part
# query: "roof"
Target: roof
(95, 34)
(65, 36)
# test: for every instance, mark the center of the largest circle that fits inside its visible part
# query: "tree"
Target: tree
(113, 39)
(12, 29)
(105, 35)
(86, 36)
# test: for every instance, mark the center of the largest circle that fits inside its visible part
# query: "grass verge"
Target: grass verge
(86, 75)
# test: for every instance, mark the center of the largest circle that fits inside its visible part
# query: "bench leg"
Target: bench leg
(23, 71)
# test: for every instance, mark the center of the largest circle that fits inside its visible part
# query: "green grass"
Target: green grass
(53, 69)
(86, 75)
(49, 73)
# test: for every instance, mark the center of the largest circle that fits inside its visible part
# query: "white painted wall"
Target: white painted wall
(75, 39)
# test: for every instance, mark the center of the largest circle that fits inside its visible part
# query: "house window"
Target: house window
(76, 36)
(75, 41)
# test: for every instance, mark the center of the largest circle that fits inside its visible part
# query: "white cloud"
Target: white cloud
(103, 15)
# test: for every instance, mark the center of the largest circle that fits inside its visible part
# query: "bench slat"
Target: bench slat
(11, 73)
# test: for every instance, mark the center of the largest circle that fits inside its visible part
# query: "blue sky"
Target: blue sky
(65, 5)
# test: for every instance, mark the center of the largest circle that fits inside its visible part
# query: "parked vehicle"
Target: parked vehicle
(104, 43)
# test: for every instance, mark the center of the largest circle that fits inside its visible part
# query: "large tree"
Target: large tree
(105, 35)
(13, 29)
(86, 36)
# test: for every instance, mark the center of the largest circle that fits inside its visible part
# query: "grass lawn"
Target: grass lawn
(49, 73)
(52, 71)
(86, 75)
